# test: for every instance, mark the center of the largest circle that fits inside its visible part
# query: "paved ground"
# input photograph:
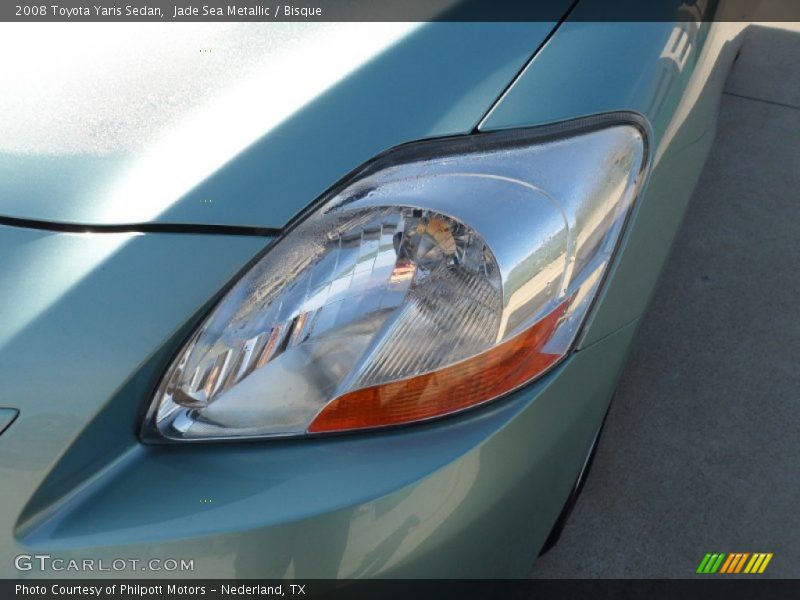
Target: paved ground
(701, 451)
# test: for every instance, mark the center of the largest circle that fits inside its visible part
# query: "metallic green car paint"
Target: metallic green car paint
(685, 134)
(247, 133)
(678, 93)
(7, 416)
(346, 506)
(90, 321)
(81, 314)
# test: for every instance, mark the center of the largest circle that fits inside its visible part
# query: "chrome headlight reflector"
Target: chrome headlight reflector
(439, 277)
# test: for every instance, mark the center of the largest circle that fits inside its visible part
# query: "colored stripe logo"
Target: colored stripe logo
(735, 562)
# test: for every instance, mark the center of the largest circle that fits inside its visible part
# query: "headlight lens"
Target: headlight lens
(441, 276)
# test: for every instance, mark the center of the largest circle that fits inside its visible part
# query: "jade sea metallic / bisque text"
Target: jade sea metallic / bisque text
(235, 10)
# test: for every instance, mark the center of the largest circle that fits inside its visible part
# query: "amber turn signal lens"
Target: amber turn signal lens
(462, 385)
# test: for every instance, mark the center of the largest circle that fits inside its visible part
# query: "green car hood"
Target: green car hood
(238, 124)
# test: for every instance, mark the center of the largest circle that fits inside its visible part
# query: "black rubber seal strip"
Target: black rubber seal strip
(141, 227)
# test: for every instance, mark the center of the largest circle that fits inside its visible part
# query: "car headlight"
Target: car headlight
(440, 276)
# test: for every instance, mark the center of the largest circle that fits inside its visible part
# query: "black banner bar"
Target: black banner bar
(705, 587)
(395, 10)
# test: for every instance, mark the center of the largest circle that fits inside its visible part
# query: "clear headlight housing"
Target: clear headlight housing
(439, 277)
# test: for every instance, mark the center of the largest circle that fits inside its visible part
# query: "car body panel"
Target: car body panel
(7, 416)
(92, 320)
(238, 125)
(674, 79)
(81, 313)
(343, 506)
